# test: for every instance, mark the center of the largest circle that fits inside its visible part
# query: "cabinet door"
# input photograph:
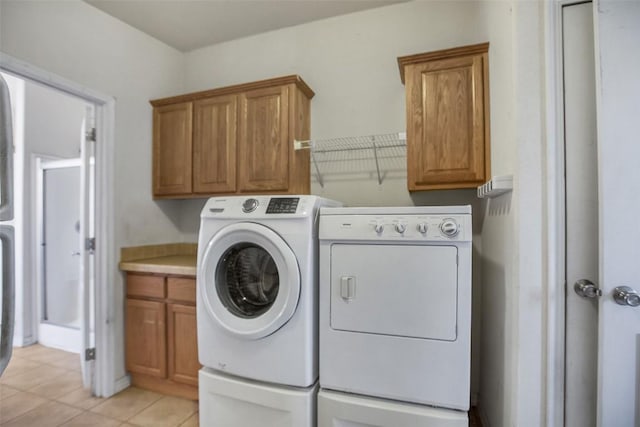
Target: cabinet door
(146, 337)
(446, 123)
(214, 144)
(172, 149)
(183, 344)
(263, 143)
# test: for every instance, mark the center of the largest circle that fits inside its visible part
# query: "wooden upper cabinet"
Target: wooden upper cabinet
(264, 140)
(447, 96)
(238, 139)
(214, 144)
(172, 149)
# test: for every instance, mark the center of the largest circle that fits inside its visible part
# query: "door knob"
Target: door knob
(587, 289)
(625, 295)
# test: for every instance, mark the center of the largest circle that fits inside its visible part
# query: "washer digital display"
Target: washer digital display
(283, 205)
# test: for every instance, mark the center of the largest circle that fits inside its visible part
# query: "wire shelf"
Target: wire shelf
(373, 153)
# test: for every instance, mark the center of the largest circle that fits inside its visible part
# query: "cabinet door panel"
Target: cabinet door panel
(214, 144)
(172, 149)
(145, 285)
(183, 344)
(263, 143)
(181, 289)
(446, 123)
(146, 338)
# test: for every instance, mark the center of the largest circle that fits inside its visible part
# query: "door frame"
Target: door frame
(555, 232)
(106, 383)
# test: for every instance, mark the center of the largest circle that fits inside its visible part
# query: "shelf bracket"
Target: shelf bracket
(496, 186)
(375, 155)
(318, 174)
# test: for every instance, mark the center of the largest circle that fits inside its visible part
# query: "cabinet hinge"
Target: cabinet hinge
(90, 353)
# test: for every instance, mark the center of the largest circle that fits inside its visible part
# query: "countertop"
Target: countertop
(178, 259)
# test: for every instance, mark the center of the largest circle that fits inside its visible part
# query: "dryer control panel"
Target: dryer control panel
(419, 227)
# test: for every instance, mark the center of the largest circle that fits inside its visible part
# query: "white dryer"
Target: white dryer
(395, 314)
(257, 287)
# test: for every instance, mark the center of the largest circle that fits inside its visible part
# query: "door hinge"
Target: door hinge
(90, 353)
(90, 244)
(90, 135)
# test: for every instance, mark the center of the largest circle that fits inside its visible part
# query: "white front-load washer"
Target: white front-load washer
(395, 313)
(257, 294)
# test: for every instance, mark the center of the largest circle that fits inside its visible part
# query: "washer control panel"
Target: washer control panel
(257, 206)
(283, 205)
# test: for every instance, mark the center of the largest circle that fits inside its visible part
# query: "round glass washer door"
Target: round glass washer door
(250, 280)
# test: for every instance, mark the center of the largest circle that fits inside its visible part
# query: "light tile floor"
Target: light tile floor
(43, 387)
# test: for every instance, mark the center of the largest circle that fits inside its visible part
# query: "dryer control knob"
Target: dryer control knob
(400, 228)
(379, 227)
(449, 227)
(249, 205)
(422, 228)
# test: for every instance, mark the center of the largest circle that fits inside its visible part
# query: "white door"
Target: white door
(617, 25)
(581, 225)
(66, 261)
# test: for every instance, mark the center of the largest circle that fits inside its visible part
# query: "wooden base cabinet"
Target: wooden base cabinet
(161, 334)
(183, 366)
(447, 95)
(233, 140)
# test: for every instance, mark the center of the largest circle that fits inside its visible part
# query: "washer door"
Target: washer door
(249, 280)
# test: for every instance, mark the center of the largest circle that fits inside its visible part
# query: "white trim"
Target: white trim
(61, 337)
(37, 176)
(59, 164)
(27, 71)
(555, 213)
(105, 382)
(121, 383)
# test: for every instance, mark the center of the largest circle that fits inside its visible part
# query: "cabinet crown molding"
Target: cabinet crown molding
(227, 90)
(403, 61)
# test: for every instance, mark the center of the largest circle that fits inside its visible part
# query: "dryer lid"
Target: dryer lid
(249, 280)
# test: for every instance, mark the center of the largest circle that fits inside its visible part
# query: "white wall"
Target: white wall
(84, 45)
(497, 250)
(513, 289)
